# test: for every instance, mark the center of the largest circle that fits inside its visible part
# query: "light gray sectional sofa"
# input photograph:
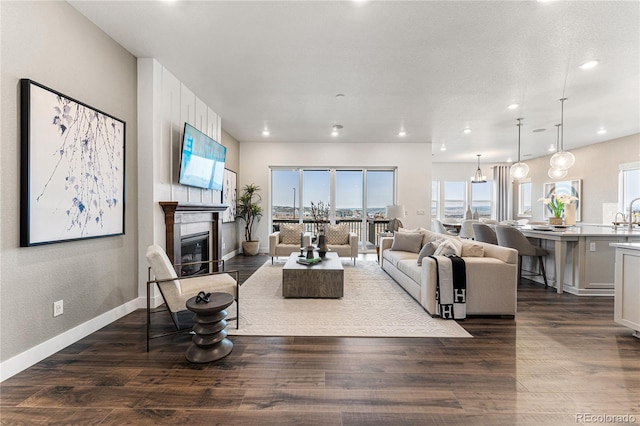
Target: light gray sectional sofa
(491, 272)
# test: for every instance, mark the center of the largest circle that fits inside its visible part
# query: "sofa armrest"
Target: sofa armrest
(274, 240)
(353, 243)
(384, 244)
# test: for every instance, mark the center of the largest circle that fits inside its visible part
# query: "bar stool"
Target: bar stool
(484, 233)
(509, 236)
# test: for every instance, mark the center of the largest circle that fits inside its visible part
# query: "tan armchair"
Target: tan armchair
(342, 241)
(175, 292)
(287, 240)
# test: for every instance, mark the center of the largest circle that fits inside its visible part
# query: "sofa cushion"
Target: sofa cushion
(427, 250)
(449, 247)
(337, 234)
(290, 233)
(410, 269)
(394, 257)
(407, 241)
(471, 249)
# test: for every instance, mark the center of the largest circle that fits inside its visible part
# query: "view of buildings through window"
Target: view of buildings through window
(456, 195)
(351, 195)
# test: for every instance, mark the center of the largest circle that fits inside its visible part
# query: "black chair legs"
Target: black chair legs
(544, 274)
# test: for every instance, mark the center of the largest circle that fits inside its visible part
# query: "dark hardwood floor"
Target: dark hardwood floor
(562, 361)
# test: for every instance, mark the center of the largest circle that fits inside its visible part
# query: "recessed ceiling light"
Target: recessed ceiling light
(466, 131)
(509, 160)
(552, 148)
(589, 64)
(602, 131)
(335, 129)
(402, 133)
(340, 96)
(266, 132)
(513, 106)
(443, 148)
(539, 130)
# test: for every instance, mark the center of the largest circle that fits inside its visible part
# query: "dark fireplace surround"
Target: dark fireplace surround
(177, 214)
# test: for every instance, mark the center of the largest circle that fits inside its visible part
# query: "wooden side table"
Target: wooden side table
(210, 342)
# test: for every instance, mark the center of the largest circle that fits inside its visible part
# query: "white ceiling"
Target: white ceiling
(430, 67)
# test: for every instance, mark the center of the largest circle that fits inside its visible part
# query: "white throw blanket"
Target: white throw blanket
(451, 287)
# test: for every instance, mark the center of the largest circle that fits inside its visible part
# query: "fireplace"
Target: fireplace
(185, 220)
(194, 248)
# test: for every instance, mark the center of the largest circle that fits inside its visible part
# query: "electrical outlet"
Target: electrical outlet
(592, 246)
(58, 308)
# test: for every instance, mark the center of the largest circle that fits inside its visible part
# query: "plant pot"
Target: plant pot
(555, 221)
(250, 248)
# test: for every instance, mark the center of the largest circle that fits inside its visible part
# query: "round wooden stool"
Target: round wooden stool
(210, 342)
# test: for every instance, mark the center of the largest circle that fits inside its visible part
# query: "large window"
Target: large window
(449, 199)
(316, 189)
(629, 187)
(481, 199)
(379, 192)
(285, 194)
(435, 198)
(524, 198)
(349, 195)
(455, 199)
(357, 197)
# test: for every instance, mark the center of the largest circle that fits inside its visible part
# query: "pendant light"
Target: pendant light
(519, 170)
(555, 172)
(478, 178)
(562, 159)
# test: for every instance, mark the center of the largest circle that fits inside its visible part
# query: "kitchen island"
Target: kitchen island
(581, 259)
(627, 286)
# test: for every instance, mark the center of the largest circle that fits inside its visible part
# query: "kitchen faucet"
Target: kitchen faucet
(631, 213)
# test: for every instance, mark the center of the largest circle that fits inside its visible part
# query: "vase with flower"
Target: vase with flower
(557, 204)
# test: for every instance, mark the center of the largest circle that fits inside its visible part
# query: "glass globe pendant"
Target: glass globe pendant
(562, 159)
(556, 173)
(519, 170)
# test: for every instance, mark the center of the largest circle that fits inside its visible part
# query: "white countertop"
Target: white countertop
(584, 231)
(629, 246)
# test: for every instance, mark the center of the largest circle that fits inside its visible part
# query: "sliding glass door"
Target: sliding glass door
(357, 197)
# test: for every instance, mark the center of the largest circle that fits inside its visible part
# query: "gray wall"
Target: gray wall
(597, 166)
(51, 43)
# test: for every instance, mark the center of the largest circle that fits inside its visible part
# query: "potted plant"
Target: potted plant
(249, 210)
(556, 204)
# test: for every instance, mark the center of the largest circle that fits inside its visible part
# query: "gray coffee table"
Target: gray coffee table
(323, 280)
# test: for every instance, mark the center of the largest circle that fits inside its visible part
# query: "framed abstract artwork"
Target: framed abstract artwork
(72, 169)
(572, 188)
(229, 193)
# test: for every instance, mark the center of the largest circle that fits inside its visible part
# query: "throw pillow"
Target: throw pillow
(290, 233)
(427, 250)
(449, 247)
(407, 241)
(426, 234)
(471, 249)
(337, 234)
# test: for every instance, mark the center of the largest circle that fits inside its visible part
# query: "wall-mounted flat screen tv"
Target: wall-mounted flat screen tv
(202, 163)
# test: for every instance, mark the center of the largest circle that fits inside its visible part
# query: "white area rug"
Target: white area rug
(373, 306)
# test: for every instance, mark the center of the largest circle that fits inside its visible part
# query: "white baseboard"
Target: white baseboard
(26, 359)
